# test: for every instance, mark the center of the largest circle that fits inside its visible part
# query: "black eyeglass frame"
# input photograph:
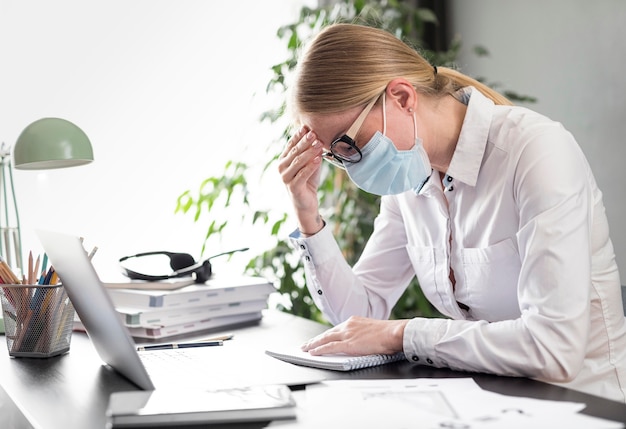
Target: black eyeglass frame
(338, 159)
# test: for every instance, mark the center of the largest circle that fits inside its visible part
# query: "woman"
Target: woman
(493, 207)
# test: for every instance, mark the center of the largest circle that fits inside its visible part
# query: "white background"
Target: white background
(167, 92)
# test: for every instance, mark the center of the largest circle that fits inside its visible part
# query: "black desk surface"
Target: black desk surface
(72, 391)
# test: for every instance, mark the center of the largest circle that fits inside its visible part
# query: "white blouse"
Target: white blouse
(520, 221)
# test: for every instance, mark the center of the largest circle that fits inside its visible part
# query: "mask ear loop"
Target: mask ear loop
(384, 114)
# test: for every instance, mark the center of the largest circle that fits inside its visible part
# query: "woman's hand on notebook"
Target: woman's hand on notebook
(359, 336)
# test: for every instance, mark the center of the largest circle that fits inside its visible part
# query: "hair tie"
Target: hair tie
(435, 70)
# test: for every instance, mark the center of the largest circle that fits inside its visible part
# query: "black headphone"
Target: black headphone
(183, 265)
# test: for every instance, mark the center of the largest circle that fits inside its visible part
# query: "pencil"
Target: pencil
(7, 274)
(30, 267)
(54, 278)
(36, 271)
(48, 276)
(43, 269)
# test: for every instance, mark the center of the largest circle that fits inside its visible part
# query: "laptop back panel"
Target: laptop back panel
(94, 306)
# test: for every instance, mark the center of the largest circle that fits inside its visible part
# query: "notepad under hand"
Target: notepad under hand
(334, 362)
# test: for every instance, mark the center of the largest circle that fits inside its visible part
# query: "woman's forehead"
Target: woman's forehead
(329, 127)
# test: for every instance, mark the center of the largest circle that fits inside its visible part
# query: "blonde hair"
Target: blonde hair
(347, 65)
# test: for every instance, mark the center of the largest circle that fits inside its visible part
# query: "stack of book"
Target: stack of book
(156, 310)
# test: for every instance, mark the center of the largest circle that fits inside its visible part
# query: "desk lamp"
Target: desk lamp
(45, 144)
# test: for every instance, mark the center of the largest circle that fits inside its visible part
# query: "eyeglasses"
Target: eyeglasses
(344, 149)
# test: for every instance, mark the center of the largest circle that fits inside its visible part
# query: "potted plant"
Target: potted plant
(349, 210)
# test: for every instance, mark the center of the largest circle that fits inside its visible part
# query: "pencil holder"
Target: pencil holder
(38, 319)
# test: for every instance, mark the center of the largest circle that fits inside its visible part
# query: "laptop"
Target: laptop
(227, 366)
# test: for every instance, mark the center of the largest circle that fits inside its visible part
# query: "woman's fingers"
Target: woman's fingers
(293, 141)
(359, 336)
(302, 150)
(300, 168)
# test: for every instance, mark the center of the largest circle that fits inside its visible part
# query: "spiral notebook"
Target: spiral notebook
(334, 362)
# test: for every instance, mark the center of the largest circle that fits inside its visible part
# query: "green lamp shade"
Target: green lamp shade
(51, 143)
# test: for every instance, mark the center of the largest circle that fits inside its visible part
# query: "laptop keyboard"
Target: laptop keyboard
(185, 367)
(166, 357)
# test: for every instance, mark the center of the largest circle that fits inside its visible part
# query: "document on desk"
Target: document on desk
(191, 407)
(435, 403)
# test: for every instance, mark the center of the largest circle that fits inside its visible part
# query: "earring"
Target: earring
(410, 110)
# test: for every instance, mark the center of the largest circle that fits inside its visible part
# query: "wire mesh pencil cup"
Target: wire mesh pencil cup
(38, 319)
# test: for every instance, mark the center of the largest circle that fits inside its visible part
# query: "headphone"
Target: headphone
(183, 265)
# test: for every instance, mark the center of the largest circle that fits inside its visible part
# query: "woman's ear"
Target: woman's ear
(401, 92)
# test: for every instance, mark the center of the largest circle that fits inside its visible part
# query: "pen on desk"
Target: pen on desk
(224, 337)
(180, 345)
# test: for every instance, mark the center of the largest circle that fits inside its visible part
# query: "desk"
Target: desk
(72, 391)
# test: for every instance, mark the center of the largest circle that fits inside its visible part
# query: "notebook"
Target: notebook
(150, 370)
(334, 362)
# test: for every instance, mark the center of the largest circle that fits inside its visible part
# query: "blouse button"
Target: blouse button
(302, 246)
(429, 360)
(451, 188)
(319, 292)
(307, 258)
(415, 358)
(449, 179)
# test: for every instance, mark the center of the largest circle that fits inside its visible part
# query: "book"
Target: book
(140, 318)
(200, 325)
(335, 362)
(167, 284)
(181, 407)
(218, 290)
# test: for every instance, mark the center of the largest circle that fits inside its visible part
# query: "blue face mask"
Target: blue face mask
(385, 170)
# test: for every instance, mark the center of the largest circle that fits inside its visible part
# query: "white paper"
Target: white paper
(455, 403)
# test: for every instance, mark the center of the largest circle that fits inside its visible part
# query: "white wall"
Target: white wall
(166, 90)
(571, 55)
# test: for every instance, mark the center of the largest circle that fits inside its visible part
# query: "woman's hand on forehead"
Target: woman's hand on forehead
(299, 166)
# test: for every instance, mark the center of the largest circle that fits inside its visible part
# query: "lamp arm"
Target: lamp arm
(5, 236)
(18, 230)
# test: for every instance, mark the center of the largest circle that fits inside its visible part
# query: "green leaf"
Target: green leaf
(427, 15)
(481, 51)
